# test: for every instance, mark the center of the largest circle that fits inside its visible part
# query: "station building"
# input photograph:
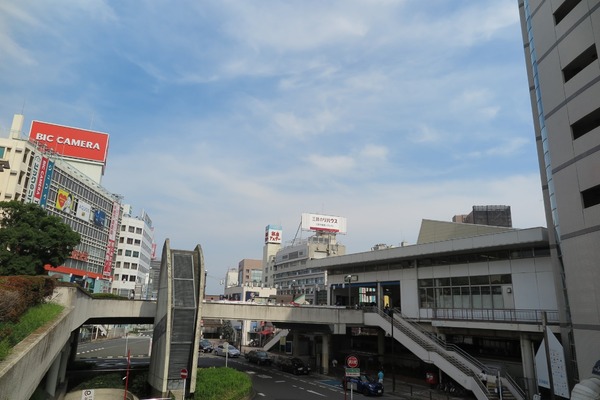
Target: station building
(60, 169)
(485, 290)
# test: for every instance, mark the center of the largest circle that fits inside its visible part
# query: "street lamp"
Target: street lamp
(348, 279)
(293, 289)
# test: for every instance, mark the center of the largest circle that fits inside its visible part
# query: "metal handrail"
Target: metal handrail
(450, 347)
(523, 316)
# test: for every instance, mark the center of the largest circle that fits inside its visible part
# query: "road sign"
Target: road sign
(352, 362)
(184, 373)
(352, 371)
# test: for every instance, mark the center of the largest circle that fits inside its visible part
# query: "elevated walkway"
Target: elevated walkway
(457, 364)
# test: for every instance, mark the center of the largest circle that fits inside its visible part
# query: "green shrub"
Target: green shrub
(18, 293)
(222, 384)
(12, 333)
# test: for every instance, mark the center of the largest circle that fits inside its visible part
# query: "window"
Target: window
(586, 124)
(134, 266)
(118, 265)
(121, 239)
(591, 196)
(138, 241)
(120, 252)
(129, 241)
(131, 229)
(131, 278)
(116, 277)
(138, 230)
(588, 56)
(565, 8)
(126, 265)
(128, 253)
(136, 254)
(123, 228)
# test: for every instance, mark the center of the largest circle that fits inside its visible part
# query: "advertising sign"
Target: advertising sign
(99, 218)
(557, 365)
(70, 142)
(84, 210)
(47, 181)
(273, 234)
(64, 201)
(325, 223)
(112, 235)
(35, 169)
(41, 178)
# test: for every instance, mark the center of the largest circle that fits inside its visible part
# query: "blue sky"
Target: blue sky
(226, 116)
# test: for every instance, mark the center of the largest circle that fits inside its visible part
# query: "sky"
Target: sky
(226, 116)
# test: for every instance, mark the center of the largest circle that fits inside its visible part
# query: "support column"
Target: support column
(295, 341)
(527, 352)
(52, 376)
(379, 296)
(325, 353)
(64, 360)
(380, 346)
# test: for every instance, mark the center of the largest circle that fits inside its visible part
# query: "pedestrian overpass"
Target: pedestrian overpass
(44, 355)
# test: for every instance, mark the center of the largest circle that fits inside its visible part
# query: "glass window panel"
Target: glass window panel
(442, 282)
(460, 281)
(480, 280)
(425, 282)
(466, 297)
(486, 297)
(495, 279)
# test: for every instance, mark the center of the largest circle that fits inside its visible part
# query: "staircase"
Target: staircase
(456, 363)
(275, 339)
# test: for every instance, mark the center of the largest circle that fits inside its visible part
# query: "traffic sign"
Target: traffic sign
(352, 362)
(184, 373)
(352, 371)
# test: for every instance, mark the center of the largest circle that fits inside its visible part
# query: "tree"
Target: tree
(30, 239)
(227, 331)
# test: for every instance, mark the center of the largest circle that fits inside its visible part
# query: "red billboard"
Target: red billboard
(70, 142)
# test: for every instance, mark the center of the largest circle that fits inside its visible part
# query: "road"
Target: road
(271, 384)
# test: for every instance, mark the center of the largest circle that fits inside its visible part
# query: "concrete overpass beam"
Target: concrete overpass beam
(52, 375)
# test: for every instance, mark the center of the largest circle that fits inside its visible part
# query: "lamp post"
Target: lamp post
(348, 280)
(391, 315)
(293, 289)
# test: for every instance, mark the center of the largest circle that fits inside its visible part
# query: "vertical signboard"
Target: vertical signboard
(35, 168)
(47, 181)
(112, 235)
(41, 178)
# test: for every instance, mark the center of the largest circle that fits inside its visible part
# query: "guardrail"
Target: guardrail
(496, 315)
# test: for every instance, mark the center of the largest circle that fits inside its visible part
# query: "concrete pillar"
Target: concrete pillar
(380, 346)
(64, 360)
(379, 296)
(295, 342)
(527, 358)
(325, 353)
(52, 376)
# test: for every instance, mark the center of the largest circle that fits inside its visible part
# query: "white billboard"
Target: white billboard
(273, 234)
(324, 223)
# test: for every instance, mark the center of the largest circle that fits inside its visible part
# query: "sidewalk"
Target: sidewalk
(406, 387)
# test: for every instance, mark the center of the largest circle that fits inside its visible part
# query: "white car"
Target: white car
(231, 350)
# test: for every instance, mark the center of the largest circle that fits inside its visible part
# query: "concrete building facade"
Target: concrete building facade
(134, 255)
(561, 53)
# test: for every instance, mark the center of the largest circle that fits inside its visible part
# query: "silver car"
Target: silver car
(231, 351)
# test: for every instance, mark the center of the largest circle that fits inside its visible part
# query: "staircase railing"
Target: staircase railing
(450, 352)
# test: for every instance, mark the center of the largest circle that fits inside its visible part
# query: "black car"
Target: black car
(206, 346)
(363, 384)
(259, 357)
(294, 365)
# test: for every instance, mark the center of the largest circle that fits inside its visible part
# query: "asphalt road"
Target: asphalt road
(271, 384)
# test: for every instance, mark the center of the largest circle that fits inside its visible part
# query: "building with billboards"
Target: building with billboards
(561, 55)
(291, 272)
(37, 171)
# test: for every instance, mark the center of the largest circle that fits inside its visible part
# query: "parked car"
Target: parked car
(259, 357)
(363, 384)
(206, 346)
(231, 351)
(294, 365)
